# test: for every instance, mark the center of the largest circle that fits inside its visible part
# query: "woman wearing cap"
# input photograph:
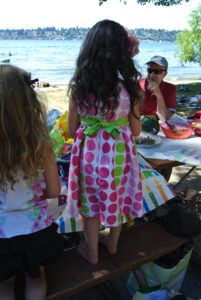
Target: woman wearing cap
(159, 96)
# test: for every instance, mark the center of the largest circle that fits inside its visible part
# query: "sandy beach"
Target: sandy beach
(55, 96)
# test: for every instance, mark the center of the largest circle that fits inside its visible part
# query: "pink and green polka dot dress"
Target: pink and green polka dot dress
(104, 176)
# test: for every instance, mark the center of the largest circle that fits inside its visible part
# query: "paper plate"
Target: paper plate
(147, 140)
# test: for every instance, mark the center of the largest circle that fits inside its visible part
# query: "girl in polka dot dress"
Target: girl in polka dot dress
(104, 178)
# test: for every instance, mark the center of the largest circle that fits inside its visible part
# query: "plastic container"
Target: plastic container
(181, 130)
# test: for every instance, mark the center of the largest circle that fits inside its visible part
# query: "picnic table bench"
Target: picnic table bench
(137, 246)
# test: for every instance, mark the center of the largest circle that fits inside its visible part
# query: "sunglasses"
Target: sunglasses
(155, 71)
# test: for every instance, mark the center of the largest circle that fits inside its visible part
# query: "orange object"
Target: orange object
(180, 131)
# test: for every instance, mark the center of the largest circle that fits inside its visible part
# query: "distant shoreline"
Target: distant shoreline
(52, 33)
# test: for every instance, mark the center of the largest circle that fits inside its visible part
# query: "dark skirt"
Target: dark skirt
(26, 253)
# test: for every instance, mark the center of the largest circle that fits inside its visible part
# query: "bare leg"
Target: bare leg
(7, 289)
(36, 287)
(89, 250)
(114, 238)
(111, 240)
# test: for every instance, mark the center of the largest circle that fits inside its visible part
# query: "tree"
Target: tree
(155, 2)
(189, 41)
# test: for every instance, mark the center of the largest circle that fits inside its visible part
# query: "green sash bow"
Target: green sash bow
(94, 124)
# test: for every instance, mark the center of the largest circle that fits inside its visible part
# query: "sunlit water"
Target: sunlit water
(53, 61)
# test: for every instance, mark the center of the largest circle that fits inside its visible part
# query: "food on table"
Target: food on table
(196, 125)
(197, 128)
(197, 131)
(145, 141)
(150, 124)
(196, 116)
(180, 131)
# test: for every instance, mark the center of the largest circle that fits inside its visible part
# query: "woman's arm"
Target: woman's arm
(51, 176)
(73, 119)
(134, 120)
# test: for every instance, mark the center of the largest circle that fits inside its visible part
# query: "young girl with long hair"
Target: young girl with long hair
(28, 237)
(104, 178)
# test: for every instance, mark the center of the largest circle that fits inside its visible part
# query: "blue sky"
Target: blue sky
(85, 13)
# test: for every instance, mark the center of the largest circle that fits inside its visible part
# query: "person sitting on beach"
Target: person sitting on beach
(28, 176)
(104, 178)
(160, 96)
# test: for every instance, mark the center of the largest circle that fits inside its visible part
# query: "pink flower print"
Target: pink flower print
(48, 222)
(36, 226)
(43, 211)
(40, 199)
(36, 187)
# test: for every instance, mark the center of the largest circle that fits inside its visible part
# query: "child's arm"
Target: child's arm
(73, 119)
(134, 120)
(51, 176)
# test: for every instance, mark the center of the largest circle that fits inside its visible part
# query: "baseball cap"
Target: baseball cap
(160, 60)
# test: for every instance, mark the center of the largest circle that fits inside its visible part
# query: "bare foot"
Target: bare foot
(82, 249)
(105, 240)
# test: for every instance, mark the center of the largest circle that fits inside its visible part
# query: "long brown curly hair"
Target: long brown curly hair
(104, 58)
(24, 134)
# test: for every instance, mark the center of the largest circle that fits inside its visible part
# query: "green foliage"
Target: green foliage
(189, 41)
(161, 2)
(193, 88)
(155, 2)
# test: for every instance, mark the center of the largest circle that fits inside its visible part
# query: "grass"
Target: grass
(194, 88)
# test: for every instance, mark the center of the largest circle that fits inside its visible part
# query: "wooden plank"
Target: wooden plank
(161, 164)
(138, 245)
(197, 240)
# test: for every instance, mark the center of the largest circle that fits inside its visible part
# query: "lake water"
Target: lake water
(53, 61)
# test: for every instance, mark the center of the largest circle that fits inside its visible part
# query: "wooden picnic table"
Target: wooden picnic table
(171, 153)
(163, 166)
(138, 245)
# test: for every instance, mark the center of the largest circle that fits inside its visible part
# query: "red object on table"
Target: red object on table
(181, 130)
(197, 131)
